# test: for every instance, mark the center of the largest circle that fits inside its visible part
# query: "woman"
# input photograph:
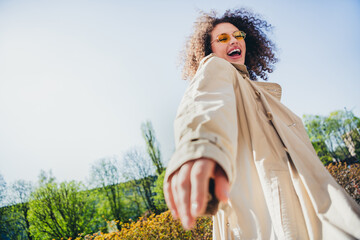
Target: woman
(234, 130)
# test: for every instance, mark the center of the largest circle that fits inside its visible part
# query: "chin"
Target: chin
(237, 61)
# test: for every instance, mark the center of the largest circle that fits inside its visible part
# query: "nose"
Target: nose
(232, 40)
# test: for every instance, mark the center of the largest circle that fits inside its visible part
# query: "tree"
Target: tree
(152, 146)
(335, 137)
(2, 191)
(61, 211)
(46, 177)
(19, 197)
(14, 213)
(4, 210)
(159, 190)
(138, 170)
(106, 175)
(322, 152)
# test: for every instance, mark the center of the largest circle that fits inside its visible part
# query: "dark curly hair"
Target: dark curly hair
(260, 56)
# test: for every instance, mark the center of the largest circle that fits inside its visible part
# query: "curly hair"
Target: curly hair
(260, 57)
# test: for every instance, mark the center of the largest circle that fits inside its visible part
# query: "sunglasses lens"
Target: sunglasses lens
(224, 38)
(239, 35)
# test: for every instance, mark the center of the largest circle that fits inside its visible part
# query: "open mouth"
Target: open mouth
(235, 52)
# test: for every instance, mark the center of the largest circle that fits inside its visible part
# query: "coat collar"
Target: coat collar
(272, 88)
(242, 69)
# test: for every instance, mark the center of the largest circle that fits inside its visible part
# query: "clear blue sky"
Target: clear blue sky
(77, 78)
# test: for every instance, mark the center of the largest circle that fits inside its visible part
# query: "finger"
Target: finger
(183, 190)
(174, 193)
(201, 172)
(169, 198)
(222, 185)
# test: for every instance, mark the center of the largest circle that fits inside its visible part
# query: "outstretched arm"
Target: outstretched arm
(206, 134)
(186, 191)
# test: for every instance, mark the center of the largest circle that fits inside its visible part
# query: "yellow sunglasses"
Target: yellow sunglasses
(224, 37)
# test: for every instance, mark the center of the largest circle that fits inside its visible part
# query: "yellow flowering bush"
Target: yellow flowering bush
(161, 226)
(348, 176)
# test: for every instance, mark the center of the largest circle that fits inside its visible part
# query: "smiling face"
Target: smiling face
(232, 51)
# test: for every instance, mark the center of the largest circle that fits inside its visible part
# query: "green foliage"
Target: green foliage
(3, 210)
(159, 190)
(322, 152)
(46, 177)
(355, 137)
(21, 191)
(144, 187)
(133, 200)
(14, 218)
(61, 210)
(335, 137)
(106, 176)
(152, 146)
(2, 190)
(14, 226)
(138, 170)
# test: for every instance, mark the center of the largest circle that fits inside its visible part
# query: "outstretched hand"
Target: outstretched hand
(186, 191)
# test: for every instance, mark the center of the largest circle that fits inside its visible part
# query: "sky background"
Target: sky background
(77, 78)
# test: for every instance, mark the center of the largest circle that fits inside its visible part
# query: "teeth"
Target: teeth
(233, 51)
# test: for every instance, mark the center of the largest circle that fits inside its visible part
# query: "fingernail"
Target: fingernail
(186, 227)
(194, 209)
(227, 195)
(186, 223)
(173, 213)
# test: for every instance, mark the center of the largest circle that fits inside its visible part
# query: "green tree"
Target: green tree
(46, 177)
(133, 200)
(322, 152)
(334, 137)
(159, 190)
(106, 176)
(138, 170)
(2, 191)
(152, 146)
(4, 210)
(19, 195)
(61, 210)
(14, 222)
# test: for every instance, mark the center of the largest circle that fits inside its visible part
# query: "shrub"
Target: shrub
(161, 226)
(348, 176)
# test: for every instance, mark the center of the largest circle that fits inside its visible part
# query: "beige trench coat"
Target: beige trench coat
(279, 187)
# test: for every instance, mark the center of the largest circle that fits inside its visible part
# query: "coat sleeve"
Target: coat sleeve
(206, 122)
